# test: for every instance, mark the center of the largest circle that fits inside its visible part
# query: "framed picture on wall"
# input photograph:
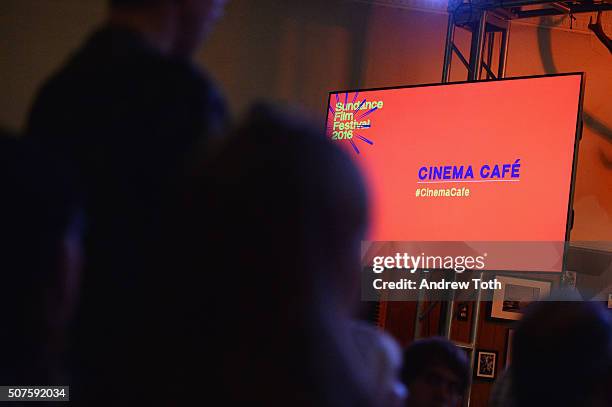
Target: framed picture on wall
(515, 295)
(509, 338)
(462, 311)
(486, 364)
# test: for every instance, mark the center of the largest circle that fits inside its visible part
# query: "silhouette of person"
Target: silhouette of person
(40, 242)
(126, 112)
(563, 340)
(270, 249)
(436, 372)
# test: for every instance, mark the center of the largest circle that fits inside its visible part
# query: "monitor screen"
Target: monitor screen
(472, 161)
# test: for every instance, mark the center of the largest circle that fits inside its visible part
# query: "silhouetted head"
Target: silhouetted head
(382, 361)
(562, 355)
(40, 261)
(282, 200)
(180, 25)
(436, 372)
(272, 234)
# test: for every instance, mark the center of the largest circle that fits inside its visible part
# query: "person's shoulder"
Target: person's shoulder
(185, 73)
(189, 82)
(110, 55)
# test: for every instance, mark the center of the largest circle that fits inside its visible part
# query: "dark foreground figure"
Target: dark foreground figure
(124, 114)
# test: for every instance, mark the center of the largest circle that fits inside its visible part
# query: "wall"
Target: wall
(296, 51)
(36, 36)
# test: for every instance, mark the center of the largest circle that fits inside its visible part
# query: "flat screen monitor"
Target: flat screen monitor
(486, 161)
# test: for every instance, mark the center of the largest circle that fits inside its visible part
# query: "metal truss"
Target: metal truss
(486, 20)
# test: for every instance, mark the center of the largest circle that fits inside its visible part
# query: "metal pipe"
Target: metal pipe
(503, 53)
(561, 7)
(476, 48)
(461, 57)
(448, 49)
(490, 41)
(474, 334)
(448, 317)
(490, 73)
(476, 314)
(417, 319)
(518, 3)
(577, 9)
